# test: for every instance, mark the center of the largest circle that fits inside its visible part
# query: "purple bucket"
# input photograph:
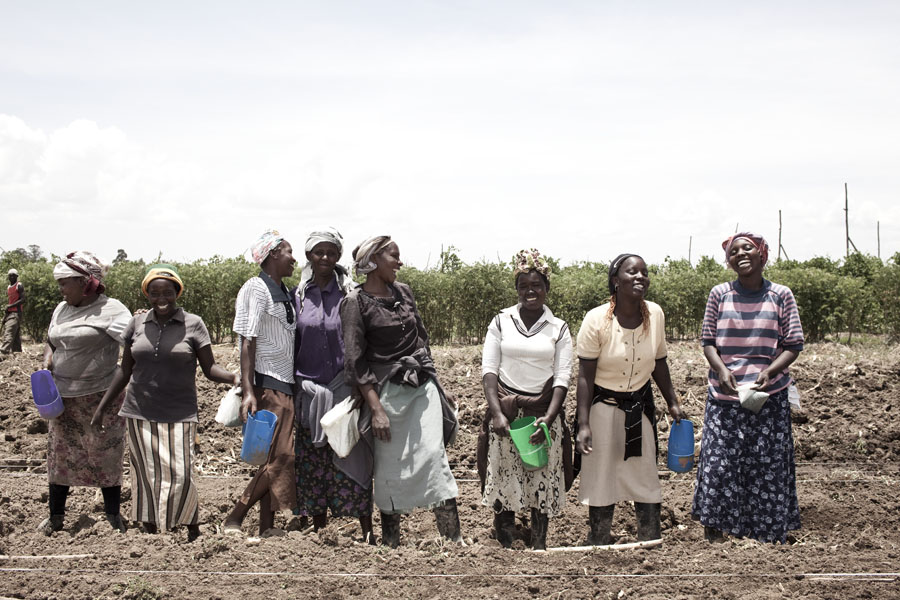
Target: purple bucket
(46, 397)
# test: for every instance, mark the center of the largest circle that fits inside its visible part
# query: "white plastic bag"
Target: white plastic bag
(751, 398)
(229, 413)
(341, 426)
(794, 397)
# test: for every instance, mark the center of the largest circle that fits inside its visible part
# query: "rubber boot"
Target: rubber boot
(447, 519)
(504, 527)
(51, 524)
(539, 523)
(390, 529)
(713, 535)
(116, 522)
(647, 521)
(600, 518)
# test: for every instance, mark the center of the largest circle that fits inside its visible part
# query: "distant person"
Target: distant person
(82, 351)
(621, 346)
(387, 358)
(12, 318)
(526, 366)
(159, 366)
(746, 483)
(325, 481)
(265, 321)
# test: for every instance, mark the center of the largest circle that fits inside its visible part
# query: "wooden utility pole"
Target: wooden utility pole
(779, 236)
(846, 221)
(878, 225)
(690, 241)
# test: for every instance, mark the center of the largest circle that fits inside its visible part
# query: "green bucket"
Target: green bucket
(533, 457)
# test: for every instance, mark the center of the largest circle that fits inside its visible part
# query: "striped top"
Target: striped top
(258, 315)
(750, 328)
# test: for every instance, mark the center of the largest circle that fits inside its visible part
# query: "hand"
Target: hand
(583, 441)
(675, 412)
(381, 426)
(727, 382)
(762, 381)
(500, 425)
(248, 405)
(537, 438)
(140, 311)
(237, 380)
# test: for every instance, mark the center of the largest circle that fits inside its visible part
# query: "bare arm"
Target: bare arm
(781, 362)
(584, 396)
(212, 370)
(47, 363)
(120, 380)
(664, 382)
(559, 394)
(248, 367)
(499, 422)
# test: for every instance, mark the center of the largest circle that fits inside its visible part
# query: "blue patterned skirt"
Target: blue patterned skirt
(746, 484)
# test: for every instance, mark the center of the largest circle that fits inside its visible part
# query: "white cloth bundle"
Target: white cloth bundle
(229, 413)
(341, 426)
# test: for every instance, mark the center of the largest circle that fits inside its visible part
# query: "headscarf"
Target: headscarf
(264, 245)
(364, 254)
(758, 241)
(614, 269)
(333, 236)
(162, 271)
(12, 272)
(531, 260)
(85, 265)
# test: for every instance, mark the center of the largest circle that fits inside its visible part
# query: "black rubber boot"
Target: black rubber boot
(600, 518)
(116, 522)
(447, 519)
(51, 524)
(504, 527)
(648, 521)
(539, 523)
(390, 530)
(713, 535)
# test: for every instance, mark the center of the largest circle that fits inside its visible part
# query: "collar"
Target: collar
(543, 320)
(766, 284)
(178, 316)
(328, 289)
(279, 292)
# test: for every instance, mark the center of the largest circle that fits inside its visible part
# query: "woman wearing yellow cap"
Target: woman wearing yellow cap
(162, 349)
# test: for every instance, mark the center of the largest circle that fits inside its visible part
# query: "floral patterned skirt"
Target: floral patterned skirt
(509, 485)
(82, 454)
(322, 486)
(746, 484)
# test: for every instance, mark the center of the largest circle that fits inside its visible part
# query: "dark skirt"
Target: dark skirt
(322, 486)
(746, 484)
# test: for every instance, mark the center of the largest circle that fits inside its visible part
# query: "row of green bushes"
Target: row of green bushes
(457, 300)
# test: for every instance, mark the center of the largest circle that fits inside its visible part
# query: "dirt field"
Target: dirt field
(848, 452)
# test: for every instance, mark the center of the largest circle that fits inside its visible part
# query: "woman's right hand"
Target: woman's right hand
(381, 426)
(727, 382)
(500, 424)
(583, 440)
(97, 419)
(248, 405)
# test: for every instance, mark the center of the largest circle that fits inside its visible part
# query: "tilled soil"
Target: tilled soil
(848, 451)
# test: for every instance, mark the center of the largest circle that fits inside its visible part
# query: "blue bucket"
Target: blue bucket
(258, 433)
(681, 447)
(46, 397)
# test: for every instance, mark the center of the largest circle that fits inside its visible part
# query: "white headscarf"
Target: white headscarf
(365, 253)
(344, 282)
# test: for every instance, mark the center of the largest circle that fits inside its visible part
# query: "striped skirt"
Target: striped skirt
(162, 485)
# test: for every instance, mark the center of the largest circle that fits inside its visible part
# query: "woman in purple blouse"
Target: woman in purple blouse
(325, 481)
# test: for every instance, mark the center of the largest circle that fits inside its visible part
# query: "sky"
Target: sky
(583, 129)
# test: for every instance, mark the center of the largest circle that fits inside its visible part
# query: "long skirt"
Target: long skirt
(276, 476)
(82, 454)
(162, 482)
(322, 486)
(509, 486)
(412, 470)
(746, 483)
(605, 477)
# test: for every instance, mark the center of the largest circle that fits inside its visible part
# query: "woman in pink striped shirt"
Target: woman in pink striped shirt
(746, 484)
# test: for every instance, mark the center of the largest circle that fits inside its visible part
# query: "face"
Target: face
(12, 278)
(532, 290)
(323, 258)
(283, 259)
(632, 279)
(744, 257)
(162, 294)
(72, 289)
(387, 263)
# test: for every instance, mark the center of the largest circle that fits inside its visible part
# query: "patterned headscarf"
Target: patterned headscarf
(85, 265)
(758, 241)
(344, 282)
(531, 260)
(614, 267)
(364, 254)
(162, 271)
(264, 245)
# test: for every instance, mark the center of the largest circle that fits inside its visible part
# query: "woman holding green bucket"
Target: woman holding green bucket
(621, 345)
(526, 366)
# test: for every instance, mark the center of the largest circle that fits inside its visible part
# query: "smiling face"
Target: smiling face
(532, 290)
(72, 289)
(744, 258)
(387, 263)
(632, 279)
(282, 259)
(323, 258)
(162, 294)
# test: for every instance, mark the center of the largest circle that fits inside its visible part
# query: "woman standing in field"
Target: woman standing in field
(621, 345)
(159, 365)
(264, 320)
(751, 333)
(526, 366)
(82, 351)
(388, 360)
(325, 481)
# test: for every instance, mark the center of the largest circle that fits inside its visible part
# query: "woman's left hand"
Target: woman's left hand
(762, 381)
(675, 412)
(537, 438)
